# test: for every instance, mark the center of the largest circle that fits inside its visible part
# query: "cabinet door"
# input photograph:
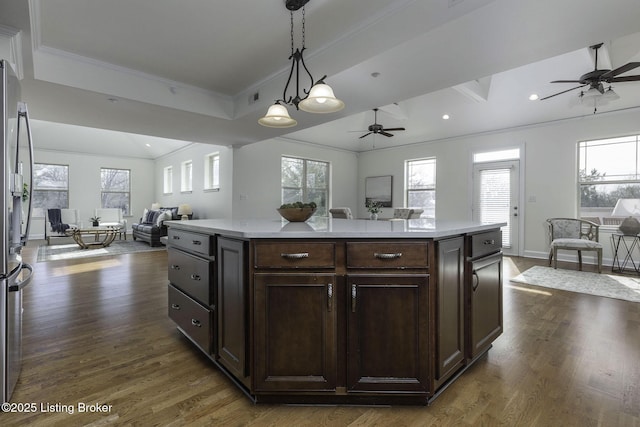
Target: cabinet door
(295, 332)
(231, 306)
(485, 289)
(387, 342)
(450, 337)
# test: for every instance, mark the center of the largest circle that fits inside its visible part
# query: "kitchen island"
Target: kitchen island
(337, 311)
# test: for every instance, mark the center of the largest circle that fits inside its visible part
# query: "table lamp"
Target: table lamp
(155, 206)
(184, 211)
(628, 208)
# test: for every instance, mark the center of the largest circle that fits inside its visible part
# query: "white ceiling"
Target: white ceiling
(184, 71)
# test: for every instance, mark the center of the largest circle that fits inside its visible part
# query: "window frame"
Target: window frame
(127, 210)
(167, 180)
(322, 209)
(186, 176)
(431, 187)
(212, 171)
(35, 190)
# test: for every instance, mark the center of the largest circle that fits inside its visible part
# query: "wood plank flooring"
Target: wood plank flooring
(96, 331)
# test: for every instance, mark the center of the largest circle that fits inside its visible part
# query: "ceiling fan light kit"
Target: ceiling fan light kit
(595, 80)
(318, 99)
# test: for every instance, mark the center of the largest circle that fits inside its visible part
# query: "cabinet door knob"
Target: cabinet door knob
(195, 277)
(387, 256)
(175, 306)
(329, 297)
(295, 256)
(196, 323)
(175, 267)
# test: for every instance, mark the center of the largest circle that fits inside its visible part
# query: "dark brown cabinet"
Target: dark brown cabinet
(388, 333)
(450, 326)
(232, 307)
(295, 332)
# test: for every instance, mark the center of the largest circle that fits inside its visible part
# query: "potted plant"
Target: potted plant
(95, 220)
(373, 208)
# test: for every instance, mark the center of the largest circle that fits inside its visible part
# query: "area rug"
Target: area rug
(604, 285)
(73, 251)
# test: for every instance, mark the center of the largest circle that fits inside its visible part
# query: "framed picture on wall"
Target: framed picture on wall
(378, 189)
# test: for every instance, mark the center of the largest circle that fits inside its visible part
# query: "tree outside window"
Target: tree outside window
(421, 185)
(116, 189)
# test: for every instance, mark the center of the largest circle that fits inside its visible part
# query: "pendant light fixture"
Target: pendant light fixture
(318, 99)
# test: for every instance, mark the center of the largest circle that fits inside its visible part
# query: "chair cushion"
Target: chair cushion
(576, 243)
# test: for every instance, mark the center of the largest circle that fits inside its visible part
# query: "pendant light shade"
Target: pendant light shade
(321, 100)
(277, 117)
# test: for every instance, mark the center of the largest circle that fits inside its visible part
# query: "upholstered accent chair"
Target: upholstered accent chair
(407, 213)
(344, 213)
(113, 217)
(70, 217)
(573, 235)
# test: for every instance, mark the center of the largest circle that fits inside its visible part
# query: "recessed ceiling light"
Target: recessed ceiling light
(533, 97)
(147, 144)
(445, 117)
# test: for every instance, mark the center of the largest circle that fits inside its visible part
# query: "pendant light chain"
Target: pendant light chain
(303, 27)
(291, 33)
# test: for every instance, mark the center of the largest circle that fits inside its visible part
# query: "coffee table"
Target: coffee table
(102, 235)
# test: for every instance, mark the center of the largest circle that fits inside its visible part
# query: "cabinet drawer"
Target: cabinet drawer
(191, 274)
(194, 242)
(485, 243)
(387, 255)
(194, 319)
(295, 255)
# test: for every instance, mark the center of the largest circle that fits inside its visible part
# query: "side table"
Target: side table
(623, 253)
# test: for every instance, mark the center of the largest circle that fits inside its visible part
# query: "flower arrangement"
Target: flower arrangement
(95, 220)
(373, 207)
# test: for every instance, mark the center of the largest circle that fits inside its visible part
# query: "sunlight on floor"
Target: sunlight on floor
(85, 267)
(533, 291)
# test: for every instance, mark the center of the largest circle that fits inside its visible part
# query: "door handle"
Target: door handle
(329, 297)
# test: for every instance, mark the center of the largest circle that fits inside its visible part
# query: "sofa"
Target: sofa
(151, 226)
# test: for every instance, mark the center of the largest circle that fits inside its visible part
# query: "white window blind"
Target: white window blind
(495, 196)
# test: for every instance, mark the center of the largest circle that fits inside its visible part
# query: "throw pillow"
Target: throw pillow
(152, 217)
(164, 215)
(145, 215)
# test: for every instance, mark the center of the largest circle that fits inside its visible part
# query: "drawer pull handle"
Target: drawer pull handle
(295, 256)
(196, 242)
(175, 306)
(196, 323)
(195, 277)
(176, 237)
(329, 297)
(387, 256)
(175, 267)
(354, 293)
(489, 242)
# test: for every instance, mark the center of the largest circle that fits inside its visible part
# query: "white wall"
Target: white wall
(84, 182)
(550, 171)
(257, 176)
(205, 204)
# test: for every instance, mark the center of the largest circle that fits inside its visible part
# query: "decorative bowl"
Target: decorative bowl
(296, 214)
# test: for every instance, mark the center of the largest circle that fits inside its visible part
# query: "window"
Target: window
(50, 187)
(186, 183)
(608, 170)
(212, 171)
(306, 181)
(116, 189)
(167, 187)
(421, 185)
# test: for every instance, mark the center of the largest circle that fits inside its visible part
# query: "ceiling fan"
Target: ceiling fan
(378, 128)
(595, 79)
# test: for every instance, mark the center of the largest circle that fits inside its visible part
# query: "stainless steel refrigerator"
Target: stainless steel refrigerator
(15, 219)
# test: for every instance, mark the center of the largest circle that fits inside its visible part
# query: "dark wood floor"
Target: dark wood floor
(97, 331)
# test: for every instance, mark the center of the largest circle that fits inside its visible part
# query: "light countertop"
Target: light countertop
(319, 228)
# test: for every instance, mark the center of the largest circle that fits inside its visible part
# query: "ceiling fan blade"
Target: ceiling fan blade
(624, 79)
(382, 132)
(366, 134)
(560, 93)
(620, 70)
(567, 81)
(393, 129)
